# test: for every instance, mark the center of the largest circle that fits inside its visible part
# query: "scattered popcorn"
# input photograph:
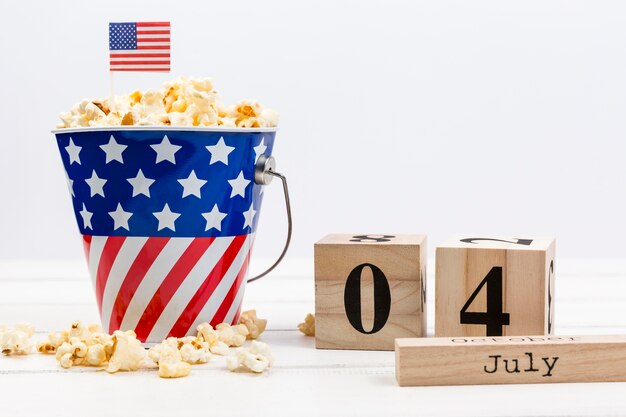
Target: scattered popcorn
(257, 358)
(169, 369)
(79, 345)
(96, 355)
(308, 327)
(16, 340)
(90, 346)
(255, 325)
(66, 360)
(219, 348)
(192, 349)
(195, 353)
(128, 352)
(154, 353)
(106, 340)
(232, 335)
(168, 356)
(54, 341)
(77, 352)
(83, 332)
(181, 102)
(64, 355)
(79, 348)
(222, 337)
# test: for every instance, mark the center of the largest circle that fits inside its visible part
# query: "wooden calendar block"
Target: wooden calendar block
(369, 290)
(510, 360)
(494, 286)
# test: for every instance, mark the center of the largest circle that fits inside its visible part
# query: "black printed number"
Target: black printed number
(352, 298)
(493, 318)
(526, 242)
(372, 238)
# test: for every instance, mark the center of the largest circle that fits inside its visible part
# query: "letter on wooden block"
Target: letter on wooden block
(494, 286)
(369, 290)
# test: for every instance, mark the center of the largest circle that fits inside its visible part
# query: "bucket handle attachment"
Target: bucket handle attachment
(264, 173)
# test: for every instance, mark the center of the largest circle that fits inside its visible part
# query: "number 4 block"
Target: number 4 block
(494, 286)
(369, 290)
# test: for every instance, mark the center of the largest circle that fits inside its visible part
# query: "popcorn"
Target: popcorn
(96, 355)
(192, 349)
(128, 352)
(219, 348)
(257, 358)
(64, 355)
(66, 360)
(90, 335)
(90, 346)
(231, 335)
(195, 353)
(174, 369)
(77, 330)
(308, 327)
(255, 325)
(221, 338)
(16, 340)
(79, 348)
(169, 359)
(261, 348)
(181, 102)
(79, 345)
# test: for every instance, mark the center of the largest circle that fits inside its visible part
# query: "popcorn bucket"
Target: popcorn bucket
(168, 218)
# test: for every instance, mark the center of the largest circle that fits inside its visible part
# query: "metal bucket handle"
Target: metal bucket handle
(264, 173)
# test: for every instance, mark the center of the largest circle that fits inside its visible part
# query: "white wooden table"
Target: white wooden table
(590, 299)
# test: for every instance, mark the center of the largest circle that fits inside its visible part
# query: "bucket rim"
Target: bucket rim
(165, 128)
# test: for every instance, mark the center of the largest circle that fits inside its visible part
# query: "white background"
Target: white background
(431, 117)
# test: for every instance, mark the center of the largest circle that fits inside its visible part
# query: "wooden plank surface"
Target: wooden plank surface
(591, 299)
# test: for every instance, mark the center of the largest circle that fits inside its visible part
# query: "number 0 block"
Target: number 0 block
(369, 290)
(494, 286)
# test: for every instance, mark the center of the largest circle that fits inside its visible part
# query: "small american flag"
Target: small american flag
(139, 46)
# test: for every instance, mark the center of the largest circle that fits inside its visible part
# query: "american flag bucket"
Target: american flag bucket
(168, 218)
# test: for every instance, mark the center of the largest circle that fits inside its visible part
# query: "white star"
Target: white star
(191, 185)
(73, 152)
(141, 184)
(70, 184)
(214, 218)
(248, 216)
(166, 218)
(120, 217)
(260, 149)
(86, 215)
(239, 185)
(113, 150)
(220, 152)
(96, 185)
(165, 150)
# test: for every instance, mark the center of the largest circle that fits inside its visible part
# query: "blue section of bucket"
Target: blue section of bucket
(192, 155)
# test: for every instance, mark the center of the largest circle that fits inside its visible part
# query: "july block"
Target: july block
(369, 290)
(494, 286)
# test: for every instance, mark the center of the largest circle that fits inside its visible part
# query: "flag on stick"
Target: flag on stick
(139, 46)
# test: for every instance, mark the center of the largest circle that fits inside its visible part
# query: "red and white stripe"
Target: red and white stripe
(152, 53)
(160, 287)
